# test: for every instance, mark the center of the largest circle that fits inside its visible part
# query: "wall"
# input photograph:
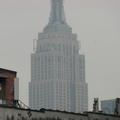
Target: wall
(99, 116)
(22, 114)
(9, 82)
(19, 114)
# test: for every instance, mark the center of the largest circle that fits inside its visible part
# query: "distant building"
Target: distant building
(57, 68)
(8, 86)
(108, 106)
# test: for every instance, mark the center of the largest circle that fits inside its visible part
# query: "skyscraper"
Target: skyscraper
(57, 68)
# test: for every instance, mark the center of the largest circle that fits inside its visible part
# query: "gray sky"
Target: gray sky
(97, 24)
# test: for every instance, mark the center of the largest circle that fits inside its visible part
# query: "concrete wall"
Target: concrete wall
(19, 114)
(99, 116)
(7, 113)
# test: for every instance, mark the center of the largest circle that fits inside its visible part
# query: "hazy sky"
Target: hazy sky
(97, 24)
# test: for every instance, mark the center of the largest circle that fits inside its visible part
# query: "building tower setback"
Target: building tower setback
(57, 67)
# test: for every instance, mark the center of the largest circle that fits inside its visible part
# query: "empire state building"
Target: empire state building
(57, 67)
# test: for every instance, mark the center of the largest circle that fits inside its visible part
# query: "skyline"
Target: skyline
(20, 24)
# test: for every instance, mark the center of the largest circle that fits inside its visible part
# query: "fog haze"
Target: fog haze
(97, 24)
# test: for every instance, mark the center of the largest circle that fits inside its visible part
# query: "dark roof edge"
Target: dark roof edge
(63, 112)
(8, 70)
(43, 110)
(4, 106)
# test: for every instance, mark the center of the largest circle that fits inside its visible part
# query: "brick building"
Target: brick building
(7, 85)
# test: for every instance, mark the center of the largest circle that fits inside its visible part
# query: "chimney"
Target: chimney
(96, 105)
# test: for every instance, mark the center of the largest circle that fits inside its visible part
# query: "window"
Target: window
(48, 47)
(59, 47)
(70, 50)
(96, 119)
(74, 50)
(66, 49)
(63, 47)
(0, 87)
(40, 48)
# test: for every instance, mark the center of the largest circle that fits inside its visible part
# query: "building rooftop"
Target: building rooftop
(2, 69)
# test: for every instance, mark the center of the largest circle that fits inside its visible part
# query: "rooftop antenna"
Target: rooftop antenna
(117, 107)
(51, 1)
(96, 105)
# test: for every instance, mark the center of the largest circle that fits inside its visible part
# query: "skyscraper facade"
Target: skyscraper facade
(57, 67)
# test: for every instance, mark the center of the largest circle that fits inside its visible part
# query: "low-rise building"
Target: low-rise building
(108, 106)
(12, 113)
(9, 86)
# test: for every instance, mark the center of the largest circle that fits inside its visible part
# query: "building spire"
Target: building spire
(57, 12)
(57, 20)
